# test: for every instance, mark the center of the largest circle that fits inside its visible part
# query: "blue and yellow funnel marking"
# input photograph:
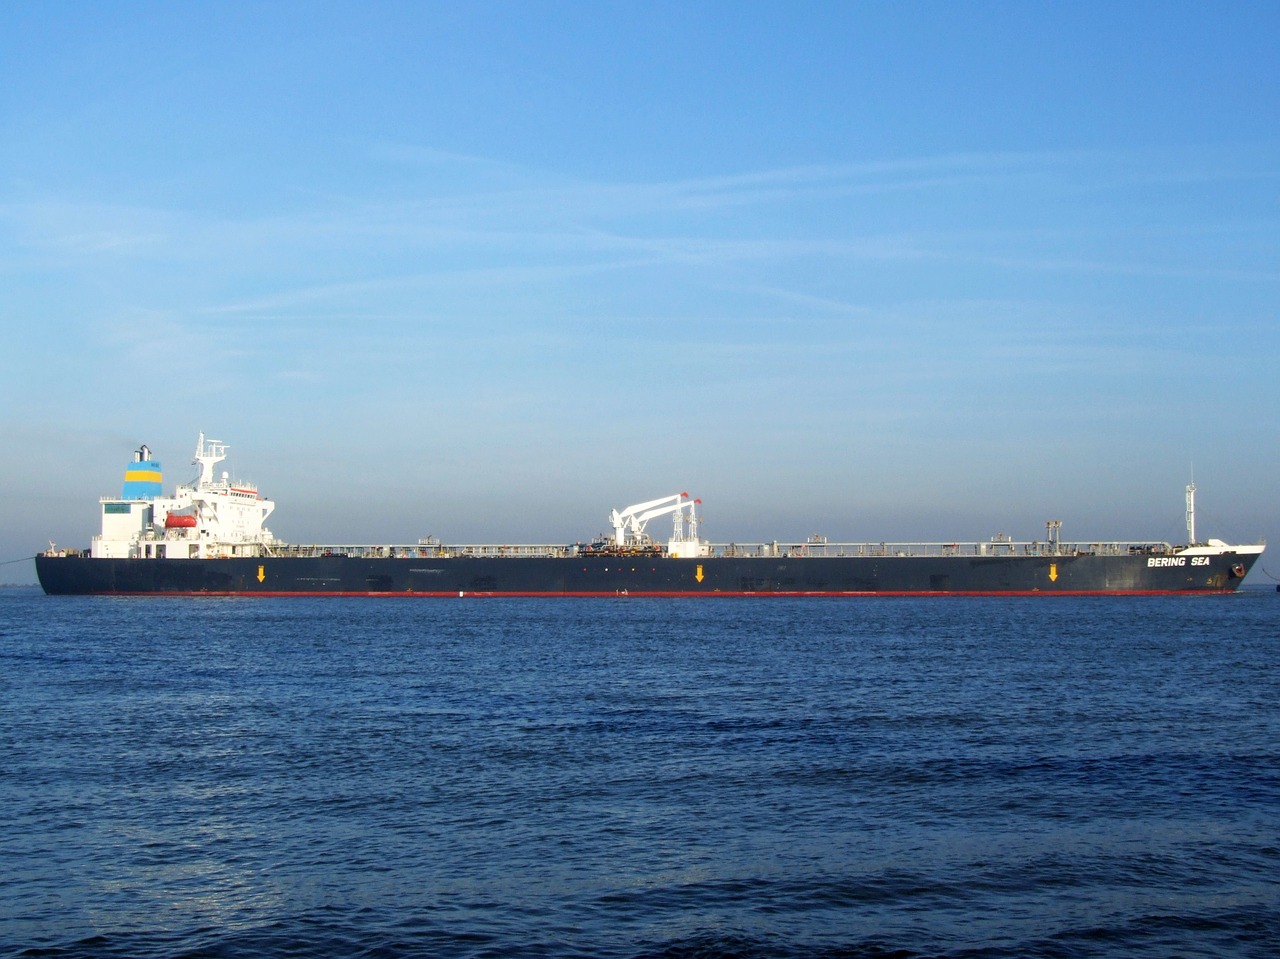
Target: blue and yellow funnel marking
(142, 480)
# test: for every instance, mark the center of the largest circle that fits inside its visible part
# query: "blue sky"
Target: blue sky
(881, 271)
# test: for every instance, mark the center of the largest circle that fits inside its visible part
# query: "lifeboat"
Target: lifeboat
(179, 521)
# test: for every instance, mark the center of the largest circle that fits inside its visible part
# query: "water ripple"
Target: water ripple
(640, 779)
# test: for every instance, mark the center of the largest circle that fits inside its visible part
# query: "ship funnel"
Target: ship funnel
(142, 478)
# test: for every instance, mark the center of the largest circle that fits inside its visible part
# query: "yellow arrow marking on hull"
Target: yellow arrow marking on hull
(1053, 572)
(698, 575)
(262, 573)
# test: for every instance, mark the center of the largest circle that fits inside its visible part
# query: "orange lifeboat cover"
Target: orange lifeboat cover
(179, 521)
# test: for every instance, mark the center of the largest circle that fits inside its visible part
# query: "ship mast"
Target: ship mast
(208, 455)
(1191, 514)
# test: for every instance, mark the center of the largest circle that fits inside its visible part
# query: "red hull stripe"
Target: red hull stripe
(660, 594)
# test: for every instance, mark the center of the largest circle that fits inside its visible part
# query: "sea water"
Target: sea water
(640, 778)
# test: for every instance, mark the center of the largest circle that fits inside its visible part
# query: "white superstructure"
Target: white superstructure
(211, 517)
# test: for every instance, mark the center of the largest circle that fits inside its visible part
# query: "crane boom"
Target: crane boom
(629, 525)
(632, 520)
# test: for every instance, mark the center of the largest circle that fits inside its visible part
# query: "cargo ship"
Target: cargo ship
(209, 538)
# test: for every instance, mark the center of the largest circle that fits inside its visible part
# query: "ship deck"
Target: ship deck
(797, 550)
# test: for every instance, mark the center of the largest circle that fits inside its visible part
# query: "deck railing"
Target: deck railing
(775, 550)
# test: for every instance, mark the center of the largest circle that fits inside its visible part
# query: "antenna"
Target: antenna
(1191, 514)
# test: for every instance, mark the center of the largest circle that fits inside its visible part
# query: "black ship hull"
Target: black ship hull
(647, 575)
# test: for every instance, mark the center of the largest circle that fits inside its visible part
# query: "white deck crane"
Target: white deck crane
(629, 524)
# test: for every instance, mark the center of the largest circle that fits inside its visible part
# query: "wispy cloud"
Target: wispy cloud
(502, 226)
